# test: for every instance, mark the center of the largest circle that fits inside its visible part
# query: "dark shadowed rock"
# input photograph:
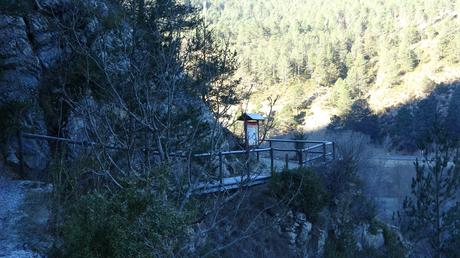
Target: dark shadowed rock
(44, 40)
(20, 67)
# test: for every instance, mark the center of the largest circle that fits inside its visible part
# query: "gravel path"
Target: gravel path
(23, 218)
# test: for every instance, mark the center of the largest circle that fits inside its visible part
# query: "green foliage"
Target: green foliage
(452, 121)
(394, 248)
(278, 41)
(299, 135)
(402, 129)
(427, 115)
(347, 201)
(213, 70)
(453, 245)
(130, 222)
(342, 177)
(342, 245)
(301, 189)
(342, 98)
(408, 58)
(350, 46)
(434, 188)
(360, 118)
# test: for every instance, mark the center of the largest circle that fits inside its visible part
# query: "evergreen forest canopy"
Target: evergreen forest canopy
(384, 52)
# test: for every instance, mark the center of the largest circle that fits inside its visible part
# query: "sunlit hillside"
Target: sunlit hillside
(323, 56)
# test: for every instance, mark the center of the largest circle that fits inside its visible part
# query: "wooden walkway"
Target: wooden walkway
(314, 152)
(302, 153)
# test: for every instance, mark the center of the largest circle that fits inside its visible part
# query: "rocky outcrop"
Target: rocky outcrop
(19, 82)
(27, 49)
(304, 238)
(367, 239)
(309, 240)
(21, 70)
(36, 153)
(31, 46)
(44, 40)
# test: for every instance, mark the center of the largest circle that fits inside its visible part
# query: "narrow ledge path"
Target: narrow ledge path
(24, 217)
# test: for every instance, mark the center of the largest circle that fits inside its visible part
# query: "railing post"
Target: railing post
(190, 169)
(300, 155)
(249, 165)
(333, 151)
(324, 152)
(286, 161)
(272, 169)
(306, 156)
(21, 154)
(221, 175)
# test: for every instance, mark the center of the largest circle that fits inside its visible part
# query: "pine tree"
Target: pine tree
(452, 121)
(427, 115)
(430, 207)
(403, 129)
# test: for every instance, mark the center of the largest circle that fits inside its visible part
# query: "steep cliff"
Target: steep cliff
(66, 66)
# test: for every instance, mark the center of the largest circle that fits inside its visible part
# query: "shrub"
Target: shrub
(341, 177)
(393, 245)
(302, 189)
(341, 245)
(402, 130)
(452, 120)
(361, 119)
(129, 222)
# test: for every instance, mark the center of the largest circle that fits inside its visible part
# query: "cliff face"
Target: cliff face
(31, 44)
(39, 52)
(27, 49)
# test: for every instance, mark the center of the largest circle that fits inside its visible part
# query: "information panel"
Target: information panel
(253, 133)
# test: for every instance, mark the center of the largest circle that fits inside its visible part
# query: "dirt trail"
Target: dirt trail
(24, 216)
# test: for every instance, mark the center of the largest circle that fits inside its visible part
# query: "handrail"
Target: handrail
(308, 150)
(312, 147)
(180, 154)
(88, 143)
(59, 139)
(208, 154)
(296, 141)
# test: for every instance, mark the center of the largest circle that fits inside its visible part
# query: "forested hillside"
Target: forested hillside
(116, 135)
(327, 55)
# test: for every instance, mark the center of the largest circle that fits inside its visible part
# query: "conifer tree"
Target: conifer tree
(452, 122)
(430, 208)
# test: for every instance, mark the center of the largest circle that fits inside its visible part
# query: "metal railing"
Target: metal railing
(323, 151)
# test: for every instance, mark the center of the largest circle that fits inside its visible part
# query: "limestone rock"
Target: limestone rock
(36, 153)
(365, 238)
(20, 67)
(45, 41)
(77, 126)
